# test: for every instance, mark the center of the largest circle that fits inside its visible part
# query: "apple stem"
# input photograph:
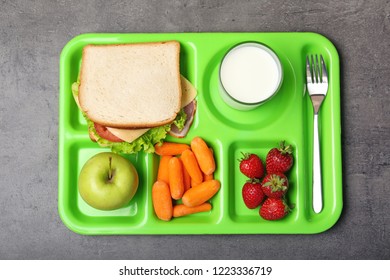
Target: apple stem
(110, 170)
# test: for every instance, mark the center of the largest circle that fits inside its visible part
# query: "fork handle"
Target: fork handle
(317, 186)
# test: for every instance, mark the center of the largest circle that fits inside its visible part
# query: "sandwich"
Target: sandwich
(133, 95)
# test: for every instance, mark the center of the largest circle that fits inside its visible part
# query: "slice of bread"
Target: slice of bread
(129, 135)
(131, 85)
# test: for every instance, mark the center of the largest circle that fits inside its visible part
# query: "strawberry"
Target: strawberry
(279, 159)
(252, 194)
(251, 166)
(274, 209)
(275, 185)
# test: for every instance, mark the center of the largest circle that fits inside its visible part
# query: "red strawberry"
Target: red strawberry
(279, 159)
(252, 194)
(275, 185)
(251, 166)
(274, 209)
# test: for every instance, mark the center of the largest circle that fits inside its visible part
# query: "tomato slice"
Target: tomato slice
(104, 133)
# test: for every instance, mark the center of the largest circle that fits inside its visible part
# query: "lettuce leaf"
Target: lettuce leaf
(144, 143)
(180, 119)
(75, 87)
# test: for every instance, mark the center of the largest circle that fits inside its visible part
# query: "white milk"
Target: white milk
(250, 74)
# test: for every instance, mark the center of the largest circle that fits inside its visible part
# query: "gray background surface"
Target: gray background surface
(32, 34)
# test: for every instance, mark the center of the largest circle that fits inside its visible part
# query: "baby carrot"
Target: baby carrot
(191, 165)
(163, 171)
(186, 178)
(201, 193)
(203, 155)
(180, 210)
(208, 177)
(170, 148)
(194, 184)
(176, 180)
(162, 201)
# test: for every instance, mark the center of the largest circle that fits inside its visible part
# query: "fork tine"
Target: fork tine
(316, 66)
(324, 72)
(309, 76)
(313, 69)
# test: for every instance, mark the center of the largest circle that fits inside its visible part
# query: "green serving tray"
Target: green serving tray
(287, 116)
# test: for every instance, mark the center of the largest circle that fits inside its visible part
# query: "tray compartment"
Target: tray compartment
(78, 151)
(238, 212)
(209, 218)
(264, 115)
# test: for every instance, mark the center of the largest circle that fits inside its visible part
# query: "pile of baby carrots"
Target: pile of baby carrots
(186, 173)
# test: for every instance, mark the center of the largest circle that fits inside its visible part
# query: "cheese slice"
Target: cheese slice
(188, 92)
(128, 135)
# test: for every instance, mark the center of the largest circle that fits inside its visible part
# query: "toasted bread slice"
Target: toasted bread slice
(131, 85)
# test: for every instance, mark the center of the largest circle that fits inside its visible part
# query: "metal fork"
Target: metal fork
(317, 86)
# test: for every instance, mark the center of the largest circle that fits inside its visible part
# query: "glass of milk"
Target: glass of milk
(249, 74)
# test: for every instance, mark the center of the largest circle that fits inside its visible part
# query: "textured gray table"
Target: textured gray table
(32, 34)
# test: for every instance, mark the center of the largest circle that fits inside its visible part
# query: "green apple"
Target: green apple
(108, 181)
